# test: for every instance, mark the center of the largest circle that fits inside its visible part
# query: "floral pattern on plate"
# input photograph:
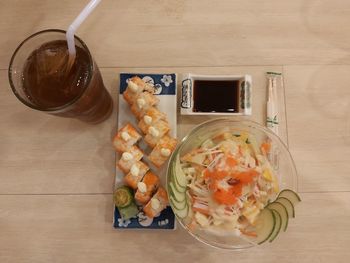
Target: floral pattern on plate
(164, 84)
(166, 220)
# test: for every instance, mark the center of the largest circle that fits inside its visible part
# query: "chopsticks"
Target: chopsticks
(272, 114)
(275, 81)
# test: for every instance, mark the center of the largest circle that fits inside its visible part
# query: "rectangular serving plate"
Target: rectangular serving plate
(165, 89)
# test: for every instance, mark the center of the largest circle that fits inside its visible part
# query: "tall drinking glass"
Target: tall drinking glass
(41, 78)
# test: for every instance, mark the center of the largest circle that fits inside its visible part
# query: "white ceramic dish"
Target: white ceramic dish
(244, 94)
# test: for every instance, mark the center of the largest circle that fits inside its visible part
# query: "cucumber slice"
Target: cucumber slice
(178, 185)
(129, 211)
(288, 205)
(181, 213)
(175, 182)
(277, 225)
(282, 210)
(290, 195)
(177, 188)
(176, 204)
(178, 196)
(180, 176)
(265, 225)
(123, 196)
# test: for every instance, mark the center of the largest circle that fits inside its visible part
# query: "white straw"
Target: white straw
(76, 23)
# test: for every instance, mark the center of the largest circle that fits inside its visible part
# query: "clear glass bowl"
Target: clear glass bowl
(282, 163)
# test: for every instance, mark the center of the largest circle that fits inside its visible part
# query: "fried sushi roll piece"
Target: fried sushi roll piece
(156, 132)
(129, 157)
(125, 138)
(146, 188)
(151, 116)
(157, 203)
(144, 101)
(136, 174)
(136, 86)
(162, 151)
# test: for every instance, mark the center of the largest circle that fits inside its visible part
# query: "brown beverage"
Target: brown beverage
(77, 91)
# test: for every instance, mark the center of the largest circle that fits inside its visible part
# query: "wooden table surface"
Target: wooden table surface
(56, 175)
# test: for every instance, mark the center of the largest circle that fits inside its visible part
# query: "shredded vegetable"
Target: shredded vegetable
(230, 180)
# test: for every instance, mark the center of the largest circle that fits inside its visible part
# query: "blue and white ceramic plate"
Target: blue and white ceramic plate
(165, 88)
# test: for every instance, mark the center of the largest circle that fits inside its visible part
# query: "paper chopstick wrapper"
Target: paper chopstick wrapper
(272, 117)
(275, 82)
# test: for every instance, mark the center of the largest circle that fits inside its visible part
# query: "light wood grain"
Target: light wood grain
(78, 229)
(190, 32)
(56, 175)
(43, 154)
(318, 114)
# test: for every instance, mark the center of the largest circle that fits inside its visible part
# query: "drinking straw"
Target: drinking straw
(76, 23)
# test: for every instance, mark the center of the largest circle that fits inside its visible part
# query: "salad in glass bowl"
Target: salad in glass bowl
(231, 184)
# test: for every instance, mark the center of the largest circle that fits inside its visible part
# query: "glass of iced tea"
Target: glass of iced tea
(41, 78)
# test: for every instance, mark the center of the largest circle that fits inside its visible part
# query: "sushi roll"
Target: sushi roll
(128, 158)
(162, 151)
(157, 203)
(146, 188)
(143, 102)
(135, 86)
(126, 137)
(151, 116)
(156, 131)
(137, 171)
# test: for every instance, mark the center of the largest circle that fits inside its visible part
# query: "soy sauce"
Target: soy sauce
(215, 95)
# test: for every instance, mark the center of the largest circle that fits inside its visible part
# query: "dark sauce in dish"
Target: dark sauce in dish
(215, 96)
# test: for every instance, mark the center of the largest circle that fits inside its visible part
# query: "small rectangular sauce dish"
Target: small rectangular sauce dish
(216, 95)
